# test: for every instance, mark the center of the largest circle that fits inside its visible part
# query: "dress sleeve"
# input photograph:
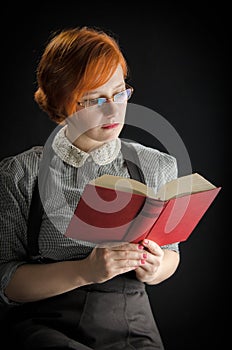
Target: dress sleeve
(15, 188)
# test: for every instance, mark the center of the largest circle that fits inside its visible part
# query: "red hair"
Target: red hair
(74, 62)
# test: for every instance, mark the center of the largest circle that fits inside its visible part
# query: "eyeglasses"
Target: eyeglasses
(120, 97)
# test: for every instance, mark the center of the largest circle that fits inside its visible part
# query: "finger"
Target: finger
(128, 263)
(153, 247)
(121, 246)
(128, 255)
(129, 246)
(111, 244)
(147, 267)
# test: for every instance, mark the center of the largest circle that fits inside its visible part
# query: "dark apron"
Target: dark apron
(113, 315)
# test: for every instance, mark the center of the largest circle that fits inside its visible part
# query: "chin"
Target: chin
(106, 134)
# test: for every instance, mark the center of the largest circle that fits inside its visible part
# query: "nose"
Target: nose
(110, 108)
(111, 99)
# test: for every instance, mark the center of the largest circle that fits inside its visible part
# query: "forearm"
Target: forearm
(167, 267)
(33, 282)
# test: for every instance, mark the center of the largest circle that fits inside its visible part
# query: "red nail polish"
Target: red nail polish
(145, 256)
(143, 261)
(140, 246)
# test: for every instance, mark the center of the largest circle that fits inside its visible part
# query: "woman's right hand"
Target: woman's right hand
(110, 260)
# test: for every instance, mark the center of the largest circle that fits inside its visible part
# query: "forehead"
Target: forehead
(116, 80)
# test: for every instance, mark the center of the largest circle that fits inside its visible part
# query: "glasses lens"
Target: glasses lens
(122, 96)
(95, 102)
(101, 100)
(129, 93)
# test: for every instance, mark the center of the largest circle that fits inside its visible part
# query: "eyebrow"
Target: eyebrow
(99, 92)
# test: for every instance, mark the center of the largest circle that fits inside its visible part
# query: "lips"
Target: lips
(110, 126)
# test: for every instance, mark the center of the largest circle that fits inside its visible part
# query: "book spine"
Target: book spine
(144, 220)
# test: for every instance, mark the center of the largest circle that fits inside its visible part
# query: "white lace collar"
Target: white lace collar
(76, 157)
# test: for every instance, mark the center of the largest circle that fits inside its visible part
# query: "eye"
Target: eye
(92, 102)
(101, 100)
(121, 96)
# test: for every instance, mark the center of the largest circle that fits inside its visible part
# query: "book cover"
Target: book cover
(113, 208)
(177, 219)
(104, 214)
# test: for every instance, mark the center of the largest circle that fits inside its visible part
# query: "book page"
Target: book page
(123, 184)
(184, 185)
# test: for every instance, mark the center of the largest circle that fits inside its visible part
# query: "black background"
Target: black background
(179, 65)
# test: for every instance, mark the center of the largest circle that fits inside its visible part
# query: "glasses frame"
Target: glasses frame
(82, 104)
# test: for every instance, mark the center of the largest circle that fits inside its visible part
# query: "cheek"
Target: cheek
(83, 120)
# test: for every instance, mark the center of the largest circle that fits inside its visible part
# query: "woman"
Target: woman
(77, 294)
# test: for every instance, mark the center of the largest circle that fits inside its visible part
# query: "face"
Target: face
(89, 128)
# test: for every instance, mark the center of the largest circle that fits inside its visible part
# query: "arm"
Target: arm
(40, 281)
(32, 282)
(158, 265)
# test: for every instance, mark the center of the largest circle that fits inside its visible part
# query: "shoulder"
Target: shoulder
(162, 160)
(21, 164)
(158, 167)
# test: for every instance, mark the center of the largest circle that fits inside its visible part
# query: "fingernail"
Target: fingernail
(145, 256)
(140, 246)
(143, 261)
(145, 241)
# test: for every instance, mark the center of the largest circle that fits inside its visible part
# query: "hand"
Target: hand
(151, 263)
(111, 260)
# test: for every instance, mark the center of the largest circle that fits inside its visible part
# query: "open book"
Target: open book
(114, 208)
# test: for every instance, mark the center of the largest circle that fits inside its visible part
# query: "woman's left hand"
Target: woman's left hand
(153, 256)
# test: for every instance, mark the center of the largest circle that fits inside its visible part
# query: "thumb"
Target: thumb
(152, 246)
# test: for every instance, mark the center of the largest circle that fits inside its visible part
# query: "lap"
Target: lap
(88, 319)
(44, 338)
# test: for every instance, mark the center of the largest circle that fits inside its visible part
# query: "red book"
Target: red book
(113, 208)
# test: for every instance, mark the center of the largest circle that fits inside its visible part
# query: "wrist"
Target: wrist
(79, 273)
